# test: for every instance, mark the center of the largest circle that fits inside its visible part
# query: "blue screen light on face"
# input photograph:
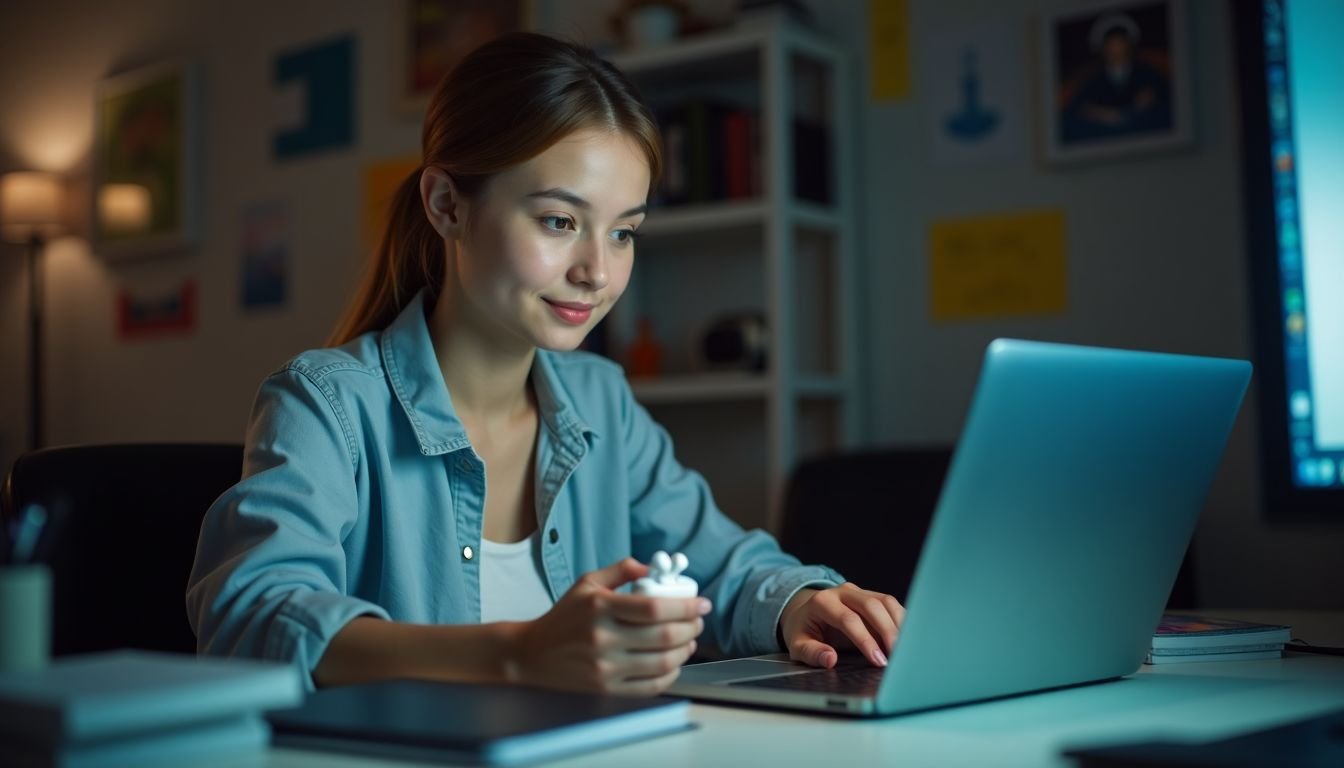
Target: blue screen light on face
(1303, 60)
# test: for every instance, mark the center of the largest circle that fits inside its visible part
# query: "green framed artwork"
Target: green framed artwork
(145, 184)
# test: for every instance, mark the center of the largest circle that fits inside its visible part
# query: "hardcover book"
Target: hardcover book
(1186, 631)
(479, 724)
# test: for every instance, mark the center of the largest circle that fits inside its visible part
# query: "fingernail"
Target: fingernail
(879, 658)
(704, 606)
(826, 659)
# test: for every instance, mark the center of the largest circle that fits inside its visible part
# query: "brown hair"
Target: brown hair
(505, 103)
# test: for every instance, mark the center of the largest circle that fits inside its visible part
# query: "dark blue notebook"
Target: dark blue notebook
(481, 724)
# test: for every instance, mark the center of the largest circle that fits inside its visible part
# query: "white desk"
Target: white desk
(1197, 702)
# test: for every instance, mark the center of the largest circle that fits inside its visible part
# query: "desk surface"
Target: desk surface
(1195, 702)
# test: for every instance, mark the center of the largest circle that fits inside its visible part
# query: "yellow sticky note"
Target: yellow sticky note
(997, 265)
(381, 180)
(889, 49)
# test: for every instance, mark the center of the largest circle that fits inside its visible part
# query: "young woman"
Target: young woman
(452, 492)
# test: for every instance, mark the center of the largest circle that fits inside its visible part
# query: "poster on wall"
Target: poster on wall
(889, 50)
(143, 314)
(314, 107)
(265, 259)
(433, 35)
(145, 185)
(973, 93)
(1116, 77)
(998, 265)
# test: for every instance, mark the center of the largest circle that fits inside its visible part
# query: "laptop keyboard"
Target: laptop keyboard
(851, 681)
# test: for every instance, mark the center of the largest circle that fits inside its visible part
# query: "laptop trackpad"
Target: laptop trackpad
(738, 669)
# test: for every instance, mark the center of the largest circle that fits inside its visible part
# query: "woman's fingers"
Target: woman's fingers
(875, 613)
(645, 665)
(640, 609)
(657, 637)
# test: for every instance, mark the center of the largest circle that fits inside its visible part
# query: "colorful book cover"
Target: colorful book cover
(1188, 631)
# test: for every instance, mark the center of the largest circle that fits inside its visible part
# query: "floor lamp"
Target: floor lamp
(31, 212)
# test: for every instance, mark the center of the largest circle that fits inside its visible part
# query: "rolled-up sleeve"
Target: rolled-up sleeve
(744, 573)
(269, 579)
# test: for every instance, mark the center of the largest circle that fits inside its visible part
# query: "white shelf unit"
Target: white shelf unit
(791, 260)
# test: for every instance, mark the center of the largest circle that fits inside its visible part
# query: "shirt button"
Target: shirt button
(555, 535)
(467, 553)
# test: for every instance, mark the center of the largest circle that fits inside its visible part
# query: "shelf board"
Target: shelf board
(815, 216)
(699, 52)
(701, 387)
(688, 219)
(710, 53)
(727, 214)
(819, 386)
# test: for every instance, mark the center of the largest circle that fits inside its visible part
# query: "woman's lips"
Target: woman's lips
(571, 312)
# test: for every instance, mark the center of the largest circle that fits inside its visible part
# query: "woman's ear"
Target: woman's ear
(444, 205)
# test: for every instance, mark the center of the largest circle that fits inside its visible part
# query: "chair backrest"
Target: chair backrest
(865, 513)
(125, 519)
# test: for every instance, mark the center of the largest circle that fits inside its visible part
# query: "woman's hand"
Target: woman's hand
(595, 639)
(815, 623)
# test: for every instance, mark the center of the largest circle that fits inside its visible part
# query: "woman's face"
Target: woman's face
(549, 244)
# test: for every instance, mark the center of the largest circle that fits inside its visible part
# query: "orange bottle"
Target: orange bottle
(645, 354)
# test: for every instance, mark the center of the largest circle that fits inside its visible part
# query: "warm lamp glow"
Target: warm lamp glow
(31, 204)
(124, 208)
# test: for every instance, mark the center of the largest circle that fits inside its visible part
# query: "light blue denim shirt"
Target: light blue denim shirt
(361, 495)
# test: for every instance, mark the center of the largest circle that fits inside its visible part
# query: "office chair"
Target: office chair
(122, 536)
(866, 514)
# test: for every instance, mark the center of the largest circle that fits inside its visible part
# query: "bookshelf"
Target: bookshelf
(786, 257)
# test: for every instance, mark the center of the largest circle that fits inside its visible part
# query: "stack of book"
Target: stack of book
(1183, 638)
(143, 709)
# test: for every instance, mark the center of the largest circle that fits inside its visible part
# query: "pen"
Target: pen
(31, 522)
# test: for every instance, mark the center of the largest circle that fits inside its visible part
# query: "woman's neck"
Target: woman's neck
(486, 373)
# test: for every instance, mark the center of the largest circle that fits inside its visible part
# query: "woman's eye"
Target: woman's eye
(624, 236)
(557, 223)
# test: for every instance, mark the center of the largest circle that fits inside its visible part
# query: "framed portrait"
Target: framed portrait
(433, 35)
(145, 157)
(1115, 79)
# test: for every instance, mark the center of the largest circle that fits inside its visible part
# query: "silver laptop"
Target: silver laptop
(1067, 509)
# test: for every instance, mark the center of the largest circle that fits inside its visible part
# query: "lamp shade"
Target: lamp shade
(31, 203)
(124, 208)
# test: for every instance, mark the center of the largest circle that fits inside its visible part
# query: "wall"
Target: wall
(1155, 248)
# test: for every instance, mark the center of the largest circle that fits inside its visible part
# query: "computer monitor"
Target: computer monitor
(1290, 60)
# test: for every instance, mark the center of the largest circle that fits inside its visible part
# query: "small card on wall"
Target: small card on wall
(161, 314)
(265, 255)
(990, 266)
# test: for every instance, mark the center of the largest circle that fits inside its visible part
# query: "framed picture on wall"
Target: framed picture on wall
(145, 156)
(433, 35)
(1115, 79)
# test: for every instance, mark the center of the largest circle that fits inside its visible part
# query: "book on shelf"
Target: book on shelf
(478, 724)
(712, 153)
(1185, 638)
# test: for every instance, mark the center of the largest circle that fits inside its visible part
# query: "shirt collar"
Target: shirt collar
(413, 371)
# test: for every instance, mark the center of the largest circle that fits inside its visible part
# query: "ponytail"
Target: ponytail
(410, 257)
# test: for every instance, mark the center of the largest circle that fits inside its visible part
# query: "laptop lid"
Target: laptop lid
(1071, 498)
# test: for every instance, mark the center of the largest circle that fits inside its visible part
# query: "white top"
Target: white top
(513, 587)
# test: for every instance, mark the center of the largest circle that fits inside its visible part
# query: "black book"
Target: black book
(479, 724)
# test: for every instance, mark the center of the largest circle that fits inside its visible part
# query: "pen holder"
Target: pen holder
(25, 617)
